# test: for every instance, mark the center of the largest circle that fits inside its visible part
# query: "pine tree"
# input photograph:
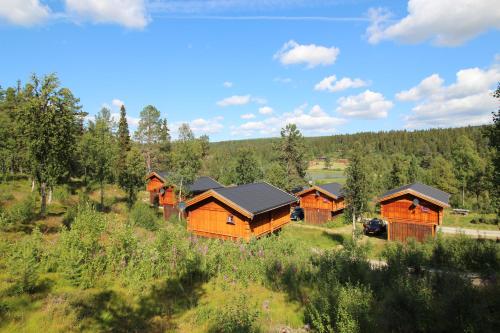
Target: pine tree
(413, 170)
(133, 175)
(165, 149)
(148, 134)
(292, 154)
(123, 132)
(356, 189)
(247, 169)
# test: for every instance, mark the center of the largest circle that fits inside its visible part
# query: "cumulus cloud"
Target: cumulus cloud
(117, 102)
(312, 55)
(314, 121)
(331, 84)
(368, 104)
(24, 12)
(234, 100)
(240, 100)
(445, 22)
(129, 13)
(467, 101)
(265, 110)
(247, 116)
(227, 84)
(199, 126)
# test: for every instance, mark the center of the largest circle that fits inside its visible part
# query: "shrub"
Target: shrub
(23, 212)
(81, 254)
(143, 216)
(24, 261)
(62, 193)
(237, 316)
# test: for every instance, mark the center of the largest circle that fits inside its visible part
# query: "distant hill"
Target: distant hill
(419, 143)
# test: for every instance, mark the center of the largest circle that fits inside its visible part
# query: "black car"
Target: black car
(297, 214)
(374, 227)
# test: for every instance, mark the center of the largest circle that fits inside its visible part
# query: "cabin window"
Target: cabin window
(230, 219)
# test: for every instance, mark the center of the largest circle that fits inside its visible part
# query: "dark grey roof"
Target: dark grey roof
(202, 184)
(333, 188)
(257, 198)
(426, 190)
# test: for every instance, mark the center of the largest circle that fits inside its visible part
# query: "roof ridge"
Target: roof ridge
(276, 187)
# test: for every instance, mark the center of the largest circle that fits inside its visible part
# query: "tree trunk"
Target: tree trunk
(50, 195)
(463, 195)
(32, 185)
(180, 197)
(102, 195)
(43, 193)
(353, 224)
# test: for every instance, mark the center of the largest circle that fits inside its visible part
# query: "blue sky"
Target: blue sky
(237, 69)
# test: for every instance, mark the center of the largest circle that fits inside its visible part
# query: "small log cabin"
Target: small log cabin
(162, 194)
(413, 210)
(321, 203)
(239, 212)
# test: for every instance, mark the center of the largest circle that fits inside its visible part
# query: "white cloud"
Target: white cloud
(227, 84)
(468, 101)
(368, 105)
(117, 102)
(240, 100)
(265, 110)
(445, 22)
(129, 13)
(316, 121)
(282, 79)
(234, 100)
(331, 84)
(132, 121)
(247, 116)
(428, 86)
(24, 12)
(199, 126)
(313, 55)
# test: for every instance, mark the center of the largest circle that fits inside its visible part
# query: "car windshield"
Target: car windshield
(374, 223)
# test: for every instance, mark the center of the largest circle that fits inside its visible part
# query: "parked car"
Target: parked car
(297, 214)
(374, 227)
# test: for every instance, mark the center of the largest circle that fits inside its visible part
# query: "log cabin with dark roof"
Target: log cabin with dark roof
(321, 203)
(162, 194)
(239, 212)
(413, 211)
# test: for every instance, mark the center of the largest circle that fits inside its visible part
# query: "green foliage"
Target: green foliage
(246, 169)
(236, 316)
(356, 189)
(50, 119)
(148, 134)
(81, 255)
(24, 261)
(132, 178)
(143, 216)
(187, 156)
(22, 212)
(277, 176)
(291, 151)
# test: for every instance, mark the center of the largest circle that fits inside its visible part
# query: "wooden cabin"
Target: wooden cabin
(239, 212)
(163, 195)
(154, 182)
(413, 210)
(321, 203)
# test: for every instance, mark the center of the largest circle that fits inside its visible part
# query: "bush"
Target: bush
(62, 193)
(143, 216)
(24, 261)
(237, 316)
(23, 212)
(81, 255)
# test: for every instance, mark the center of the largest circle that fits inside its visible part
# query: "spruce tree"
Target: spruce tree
(123, 134)
(357, 187)
(292, 154)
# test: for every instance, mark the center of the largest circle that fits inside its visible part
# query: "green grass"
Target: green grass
(276, 310)
(453, 220)
(315, 238)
